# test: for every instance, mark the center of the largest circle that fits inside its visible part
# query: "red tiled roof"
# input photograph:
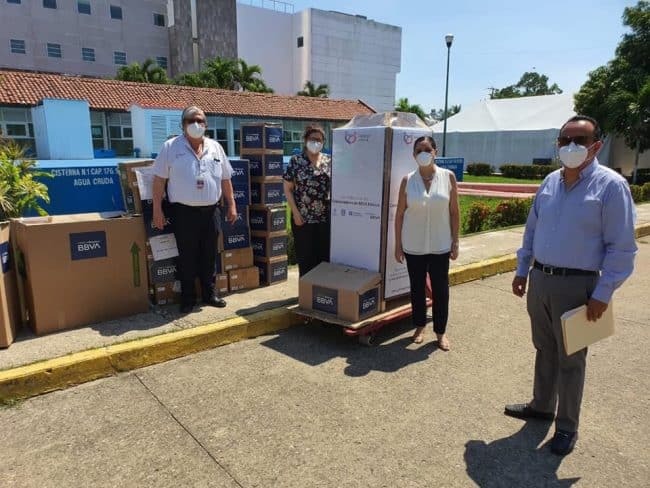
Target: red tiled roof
(28, 88)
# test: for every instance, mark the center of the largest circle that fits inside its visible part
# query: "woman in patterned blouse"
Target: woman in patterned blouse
(307, 182)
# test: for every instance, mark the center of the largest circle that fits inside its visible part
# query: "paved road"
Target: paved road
(311, 408)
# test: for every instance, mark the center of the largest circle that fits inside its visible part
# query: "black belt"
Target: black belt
(552, 270)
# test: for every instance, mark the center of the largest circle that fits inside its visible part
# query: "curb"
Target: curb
(81, 367)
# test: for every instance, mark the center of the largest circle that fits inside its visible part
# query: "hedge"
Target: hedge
(479, 169)
(527, 171)
(507, 213)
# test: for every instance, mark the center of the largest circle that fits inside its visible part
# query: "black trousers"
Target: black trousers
(195, 229)
(312, 243)
(437, 266)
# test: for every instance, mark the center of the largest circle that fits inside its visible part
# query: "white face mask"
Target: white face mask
(573, 155)
(195, 130)
(314, 147)
(424, 158)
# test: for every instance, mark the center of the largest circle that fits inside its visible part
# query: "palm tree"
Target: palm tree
(221, 73)
(311, 90)
(258, 85)
(403, 105)
(148, 72)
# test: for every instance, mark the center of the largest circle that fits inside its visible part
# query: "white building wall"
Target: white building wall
(302, 55)
(265, 38)
(356, 57)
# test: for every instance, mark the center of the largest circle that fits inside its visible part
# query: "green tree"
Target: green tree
(147, 72)
(403, 105)
(311, 90)
(438, 115)
(530, 84)
(249, 78)
(227, 74)
(618, 94)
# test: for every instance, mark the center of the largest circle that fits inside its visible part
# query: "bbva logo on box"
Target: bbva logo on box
(87, 245)
(236, 172)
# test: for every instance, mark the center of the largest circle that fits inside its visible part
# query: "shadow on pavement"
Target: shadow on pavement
(516, 460)
(318, 343)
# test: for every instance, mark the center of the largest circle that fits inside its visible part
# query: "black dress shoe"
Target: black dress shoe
(563, 442)
(523, 411)
(186, 308)
(215, 302)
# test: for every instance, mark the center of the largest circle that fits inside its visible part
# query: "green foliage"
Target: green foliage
(227, 74)
(311, 90)
(530, 84)
(403, 105)
(479, 169)
(526, 171)
(477, 217)
(618, 94)
(20, 191)
(439, 115)
(148, 72)
(637, 193)
(510, 212)
(646, 191)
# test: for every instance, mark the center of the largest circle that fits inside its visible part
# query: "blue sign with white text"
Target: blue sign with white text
(457, 165)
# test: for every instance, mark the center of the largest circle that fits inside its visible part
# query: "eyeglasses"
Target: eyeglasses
(195, 120)
(579, 140)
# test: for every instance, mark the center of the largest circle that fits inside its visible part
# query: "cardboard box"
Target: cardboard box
(241, 175)
(163, 271)
(269, 244)
(266, 165)
(272, 270)
(166, 293)
(82, 269)
(147, 214)
(237, 235)
(268, 219)
(221, 284)
(243, 279)
(372, 154)
(236, 259)
(129, 184)
(345, 292)
(267, 191)
(9, 300)
(242, 195)
(261, 136)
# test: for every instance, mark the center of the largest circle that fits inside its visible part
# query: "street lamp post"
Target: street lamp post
(449, 38)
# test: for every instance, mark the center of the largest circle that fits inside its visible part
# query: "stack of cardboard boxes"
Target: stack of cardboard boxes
(235, 270)
(262, 145)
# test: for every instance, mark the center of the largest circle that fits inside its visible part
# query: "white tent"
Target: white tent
(514, 130)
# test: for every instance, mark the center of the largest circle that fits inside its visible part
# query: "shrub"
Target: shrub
(479, 169)
(477, 217)
(646, 191)
(527, 171)
(544, 171)
(510, 212)
(637, 193)
(20, 190)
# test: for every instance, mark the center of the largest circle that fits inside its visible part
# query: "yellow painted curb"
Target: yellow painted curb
(81, 367)
(642, 230)
(482, 269)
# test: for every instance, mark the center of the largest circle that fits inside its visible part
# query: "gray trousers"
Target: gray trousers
(559, 379)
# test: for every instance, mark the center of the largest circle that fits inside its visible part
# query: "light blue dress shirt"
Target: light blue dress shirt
(588, 226)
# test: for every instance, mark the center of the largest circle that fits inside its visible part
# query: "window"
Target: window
(49, 3)
(301, 41)
(159, 20)
(161, 61)
(88, 54)
(119, 57)
(127, 133)
(17, 46)
(116, 12)
(83, 6)
(54, 50)
(17, 2)
(17, 130)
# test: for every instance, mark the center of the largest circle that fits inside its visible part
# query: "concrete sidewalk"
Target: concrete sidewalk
(309, 408)
(474, 250)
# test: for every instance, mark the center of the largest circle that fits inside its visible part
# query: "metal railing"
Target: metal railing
(277, 5)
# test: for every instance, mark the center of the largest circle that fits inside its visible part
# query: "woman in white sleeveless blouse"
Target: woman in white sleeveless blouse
(426, 234)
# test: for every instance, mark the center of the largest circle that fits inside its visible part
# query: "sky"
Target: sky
(495, 42)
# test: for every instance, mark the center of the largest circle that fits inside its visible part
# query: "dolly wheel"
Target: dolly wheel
(367, 340)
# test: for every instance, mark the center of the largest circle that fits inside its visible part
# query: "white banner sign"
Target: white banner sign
(357, 183)
(396, 279)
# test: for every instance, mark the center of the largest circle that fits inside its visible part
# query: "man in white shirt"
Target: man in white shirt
(197, 173)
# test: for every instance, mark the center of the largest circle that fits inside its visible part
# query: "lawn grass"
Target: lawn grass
(496, 179)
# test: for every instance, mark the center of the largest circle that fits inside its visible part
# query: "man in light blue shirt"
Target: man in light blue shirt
(579, 240)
